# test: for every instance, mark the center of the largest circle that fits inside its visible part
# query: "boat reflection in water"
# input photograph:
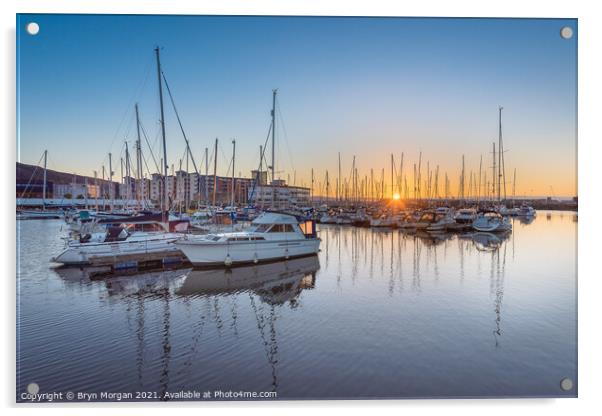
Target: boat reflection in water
(528, 220)
(269, 286)
(488, 241)
(275, 283)
(164, 281)
(126, 284)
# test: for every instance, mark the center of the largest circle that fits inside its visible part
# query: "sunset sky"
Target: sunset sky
(367, 87)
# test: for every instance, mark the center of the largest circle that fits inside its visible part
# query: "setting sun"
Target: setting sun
(396, 197)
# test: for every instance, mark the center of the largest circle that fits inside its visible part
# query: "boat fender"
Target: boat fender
(255, 259)
(286, 252)
(228, 261)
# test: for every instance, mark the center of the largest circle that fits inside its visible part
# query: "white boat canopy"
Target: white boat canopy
(275, 218)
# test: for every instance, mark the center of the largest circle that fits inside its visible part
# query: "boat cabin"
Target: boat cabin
(270, 226)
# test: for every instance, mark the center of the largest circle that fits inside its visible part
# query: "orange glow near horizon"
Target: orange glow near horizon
(396, 197)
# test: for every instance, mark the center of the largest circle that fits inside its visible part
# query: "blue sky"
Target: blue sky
(362, 86)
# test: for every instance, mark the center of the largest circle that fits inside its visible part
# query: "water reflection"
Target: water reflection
(274, 283)
(528, 220)
(372, 305)
(388, 249)
(123, 285)
(268, 286)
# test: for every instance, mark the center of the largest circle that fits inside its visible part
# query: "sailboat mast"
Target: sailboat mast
(480, 175)
(499, 176)
(372, 184)
(400, 175)
(339, 180)
(233, 160)
(494, 173)
(103, 188)
(215, 172)
(463, 179)
(206, 175)
(274, 91)
(111, 182)
(419, 175)
(44, 185)
(392, 188)
(166, 167)
(122, 183)
(312, 187)
(127, 173)
(96, 186)
(139, 188)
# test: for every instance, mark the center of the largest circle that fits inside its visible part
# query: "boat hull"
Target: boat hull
(114, 252)
(207, 254)
(38, 215)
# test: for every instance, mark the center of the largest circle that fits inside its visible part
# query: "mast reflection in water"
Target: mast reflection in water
(376, 314)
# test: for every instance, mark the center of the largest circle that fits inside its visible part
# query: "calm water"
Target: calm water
(377, 314)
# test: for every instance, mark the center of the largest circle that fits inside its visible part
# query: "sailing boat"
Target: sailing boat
(147, 236)
(498, 222)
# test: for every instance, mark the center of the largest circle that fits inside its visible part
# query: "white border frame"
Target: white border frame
(590, 135)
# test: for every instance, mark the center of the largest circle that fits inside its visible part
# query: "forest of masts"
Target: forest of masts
(425, 186)
(425, 183)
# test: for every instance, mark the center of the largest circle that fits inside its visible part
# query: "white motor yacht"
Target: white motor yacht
(491, 221)
(271, 236)
(466, 216)
(434, 221)
(526, 211)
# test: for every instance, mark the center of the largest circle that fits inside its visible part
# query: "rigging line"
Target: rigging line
(184, 154)
(209, 165)
(149, 147)
(261, 159)
(223, 154)
(265, 144)
(129, 126)
(180, 122)
(157, 142)
(229, 166)
(32, 175)
(146, 164)
(281, 119)
(137, 91)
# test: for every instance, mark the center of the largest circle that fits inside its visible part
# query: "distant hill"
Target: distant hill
(25, 171)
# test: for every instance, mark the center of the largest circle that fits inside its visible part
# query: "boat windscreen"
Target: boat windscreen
(262, 228)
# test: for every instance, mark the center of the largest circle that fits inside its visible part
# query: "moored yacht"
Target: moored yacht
(387, 221)
(491, 221)
(526, 211)
(145, 236)
(271, 236)
(344, 219)
(465, 215)
(327, 218)
(434, 221)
